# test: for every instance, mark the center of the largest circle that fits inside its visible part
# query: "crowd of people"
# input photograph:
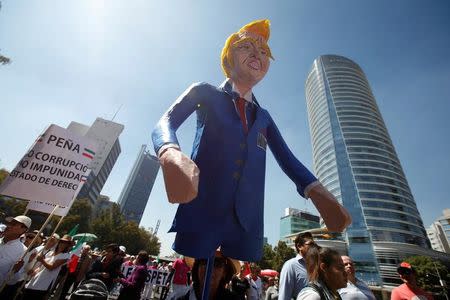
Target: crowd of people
(36, 267)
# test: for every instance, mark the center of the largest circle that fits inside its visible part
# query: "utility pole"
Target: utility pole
(441, 281)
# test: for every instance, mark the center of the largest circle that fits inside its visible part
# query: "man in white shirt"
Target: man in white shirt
(11, 248)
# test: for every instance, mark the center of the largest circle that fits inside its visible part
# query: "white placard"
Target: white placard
(154, 277)
(46, 207)
(52, 171)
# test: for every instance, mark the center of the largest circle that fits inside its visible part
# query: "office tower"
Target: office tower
(439, 233)
(106, 135)
(355, 159)
(139, 184)
(295, 221)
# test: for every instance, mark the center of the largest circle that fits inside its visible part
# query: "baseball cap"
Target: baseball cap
(405, 268)
(21, 219)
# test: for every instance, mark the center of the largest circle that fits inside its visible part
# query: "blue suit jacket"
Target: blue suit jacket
(232, 164)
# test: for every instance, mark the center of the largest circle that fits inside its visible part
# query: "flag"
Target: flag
(75, 254)
(74, 230)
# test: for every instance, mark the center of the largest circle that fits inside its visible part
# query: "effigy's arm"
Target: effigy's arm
(180, 172)
(335, 216)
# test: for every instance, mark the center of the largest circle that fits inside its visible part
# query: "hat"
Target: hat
(21, 219)
(234, 262)
(66, 238)
(405, 267)
(123, 249)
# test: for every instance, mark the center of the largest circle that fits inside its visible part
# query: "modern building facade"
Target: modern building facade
(106, 134)
(439, 233)
(295, 221)
(139, 184)
(355, 159)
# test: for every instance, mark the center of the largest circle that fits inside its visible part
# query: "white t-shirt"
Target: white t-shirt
(20, 275)
(10, 253)
(45, 277)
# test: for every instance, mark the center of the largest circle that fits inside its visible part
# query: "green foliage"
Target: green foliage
(427, 272)
(3, 175)
(111, 227)
(79, 213)
(267, 257)
(282, 254)
(12, 207)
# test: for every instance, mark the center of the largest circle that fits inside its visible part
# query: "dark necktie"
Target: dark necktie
(240, 104)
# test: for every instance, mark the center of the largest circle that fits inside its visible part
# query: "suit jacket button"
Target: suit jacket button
(242, 145)
(236, 175)
(239, 162)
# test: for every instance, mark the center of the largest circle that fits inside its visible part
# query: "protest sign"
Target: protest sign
(47, 207)
(154, 277)
(52, 170)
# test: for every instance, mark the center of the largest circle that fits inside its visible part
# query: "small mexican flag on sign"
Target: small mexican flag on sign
(40, 138)
(88, 153)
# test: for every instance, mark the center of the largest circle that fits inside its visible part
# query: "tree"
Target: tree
(3, 175)
(427, 276)
(266, 261)
(111, 227)
(282, 254)
(79, 213)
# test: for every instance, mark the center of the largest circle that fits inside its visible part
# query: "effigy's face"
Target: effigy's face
(250, 59)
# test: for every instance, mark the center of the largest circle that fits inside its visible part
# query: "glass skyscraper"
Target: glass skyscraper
(355, 160)
(139, 184)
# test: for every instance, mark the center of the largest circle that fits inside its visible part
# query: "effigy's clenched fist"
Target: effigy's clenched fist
(180, 176)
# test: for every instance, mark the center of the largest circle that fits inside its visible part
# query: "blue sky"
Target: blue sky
(78, 60)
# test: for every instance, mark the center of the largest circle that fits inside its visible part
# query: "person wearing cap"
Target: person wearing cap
(11, 248)
(45, 275)
(223, 271)
(122, 251)
(356, 289)
(23, 266)
(221, 187)
(409, 289)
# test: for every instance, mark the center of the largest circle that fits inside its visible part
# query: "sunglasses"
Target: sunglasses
(29, 237)
(218, 262)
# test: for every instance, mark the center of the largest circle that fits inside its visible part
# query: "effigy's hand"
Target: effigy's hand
(335, 216)
(180, 176)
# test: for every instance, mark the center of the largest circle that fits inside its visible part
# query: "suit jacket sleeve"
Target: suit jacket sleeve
(165, 131)
(290, 165)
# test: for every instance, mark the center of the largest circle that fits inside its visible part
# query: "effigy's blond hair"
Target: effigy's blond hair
(259, 27)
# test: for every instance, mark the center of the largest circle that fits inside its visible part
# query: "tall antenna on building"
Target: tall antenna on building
(117, 112)
(157, 227)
